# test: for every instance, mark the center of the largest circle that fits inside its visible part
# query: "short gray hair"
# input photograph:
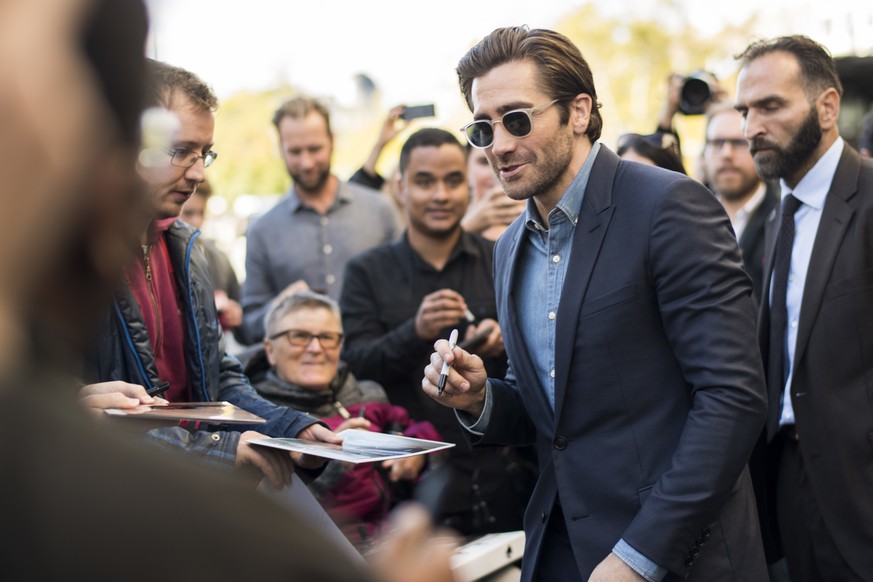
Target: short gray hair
(285, 304)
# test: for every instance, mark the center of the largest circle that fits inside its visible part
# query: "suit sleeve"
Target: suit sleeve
(708, 316)
(282, 421)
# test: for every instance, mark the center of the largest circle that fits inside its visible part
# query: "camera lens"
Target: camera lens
(694, 96)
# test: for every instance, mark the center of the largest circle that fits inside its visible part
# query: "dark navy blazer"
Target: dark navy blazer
(659, 385)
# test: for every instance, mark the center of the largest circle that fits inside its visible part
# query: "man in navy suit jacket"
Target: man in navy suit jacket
(630, 329)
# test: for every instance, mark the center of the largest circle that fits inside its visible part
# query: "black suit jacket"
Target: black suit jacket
(752, 241)
(659, 388)
(832, 386)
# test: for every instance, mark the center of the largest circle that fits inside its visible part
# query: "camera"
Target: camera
(698, 89)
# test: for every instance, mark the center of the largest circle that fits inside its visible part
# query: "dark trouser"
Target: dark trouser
(556, 562)
(810, 550)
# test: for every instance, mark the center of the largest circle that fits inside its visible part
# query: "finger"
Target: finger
(324, 435)
(272, 472)
(445, 294)
(112, 400)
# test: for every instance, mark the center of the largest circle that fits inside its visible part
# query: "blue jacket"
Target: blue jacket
(123, 352)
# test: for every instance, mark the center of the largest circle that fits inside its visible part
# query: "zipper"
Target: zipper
(146, 249)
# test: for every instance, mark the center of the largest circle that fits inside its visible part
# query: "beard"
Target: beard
(313, 183)
(548, 168)
(775, 162)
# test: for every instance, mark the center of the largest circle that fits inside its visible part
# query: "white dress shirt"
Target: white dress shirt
(812, 191)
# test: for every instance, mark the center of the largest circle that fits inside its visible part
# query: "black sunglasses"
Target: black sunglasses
(517, 122)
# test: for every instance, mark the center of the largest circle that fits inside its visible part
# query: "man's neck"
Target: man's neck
(737, 204)
(435, 251)
(322, 198)
(827, 140)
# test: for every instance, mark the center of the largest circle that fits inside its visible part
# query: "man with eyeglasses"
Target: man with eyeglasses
(630, 330)
(163, 327)
(731, 175)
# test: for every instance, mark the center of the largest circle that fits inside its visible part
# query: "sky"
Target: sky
(409, 48)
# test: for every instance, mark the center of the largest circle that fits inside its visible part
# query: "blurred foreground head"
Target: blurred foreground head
(72, 92)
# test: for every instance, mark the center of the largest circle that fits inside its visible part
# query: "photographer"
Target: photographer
(688, 95)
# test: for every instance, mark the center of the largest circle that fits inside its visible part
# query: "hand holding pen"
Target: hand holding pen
(444, 372)
(464, 377)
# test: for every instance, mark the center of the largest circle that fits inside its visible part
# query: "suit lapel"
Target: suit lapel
(835, 218)
(594, 218)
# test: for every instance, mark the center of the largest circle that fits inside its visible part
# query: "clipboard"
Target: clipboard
(207, 412)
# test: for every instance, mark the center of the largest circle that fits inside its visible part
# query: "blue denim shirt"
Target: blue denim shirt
(544, 257)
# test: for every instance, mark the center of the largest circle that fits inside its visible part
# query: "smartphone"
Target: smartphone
(417, 111)
(477, 339)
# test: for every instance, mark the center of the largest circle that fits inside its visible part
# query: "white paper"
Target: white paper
(359, 446)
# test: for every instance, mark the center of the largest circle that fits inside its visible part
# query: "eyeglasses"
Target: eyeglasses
(659, 140)
(517, 122)
(297, 337)
(185, 158)
(719, 144)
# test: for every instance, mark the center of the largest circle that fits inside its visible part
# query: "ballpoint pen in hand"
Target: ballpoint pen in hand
(444, 373)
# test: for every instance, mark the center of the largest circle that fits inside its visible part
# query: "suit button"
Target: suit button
(695, 552)
(545, 517)
(689, 561)
(561, 443)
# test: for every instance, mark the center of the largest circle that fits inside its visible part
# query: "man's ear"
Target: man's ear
(580, 113)
(401, 191)
(828, 107)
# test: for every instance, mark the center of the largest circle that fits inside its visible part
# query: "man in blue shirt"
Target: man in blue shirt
(630, 328)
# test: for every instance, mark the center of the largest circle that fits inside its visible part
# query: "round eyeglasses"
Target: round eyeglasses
(185, 158)
(297, 337)
(518, 122)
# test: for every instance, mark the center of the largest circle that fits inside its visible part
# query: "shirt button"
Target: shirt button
(216, 437)
(556, 259)
(324, 220)
(327, 249)
(330, 279)
(791, 278)
(793, 323)
(552, 373)
(551, 315)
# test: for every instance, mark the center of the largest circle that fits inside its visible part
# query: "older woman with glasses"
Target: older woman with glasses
(300, 367)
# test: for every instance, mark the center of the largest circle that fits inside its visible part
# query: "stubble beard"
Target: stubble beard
(311, 186)
(549, 168)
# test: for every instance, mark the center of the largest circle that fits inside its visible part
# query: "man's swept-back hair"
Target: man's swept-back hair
(427, 137)
(300, 107)
(563, 72)
(817, 67)
(168, 83)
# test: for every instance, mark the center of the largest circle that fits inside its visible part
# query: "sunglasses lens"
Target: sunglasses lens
(480, 134)
(517, 123)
